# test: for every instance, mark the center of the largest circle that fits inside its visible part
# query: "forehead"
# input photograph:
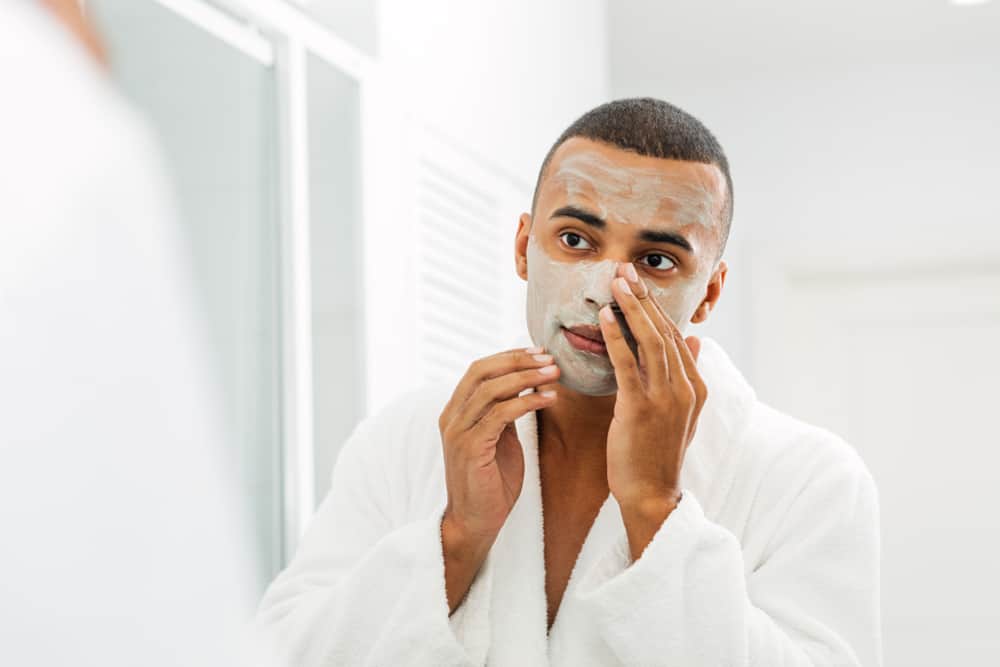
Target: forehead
(623, 186)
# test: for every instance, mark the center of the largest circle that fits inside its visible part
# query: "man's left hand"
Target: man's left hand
(660, 397)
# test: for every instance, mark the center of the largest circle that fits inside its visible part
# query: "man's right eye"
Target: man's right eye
(572, 239)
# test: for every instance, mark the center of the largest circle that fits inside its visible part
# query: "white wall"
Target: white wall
(497, 82)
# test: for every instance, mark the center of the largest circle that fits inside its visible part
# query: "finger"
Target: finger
(650, 340)
(690, 347)
(504, 412)
(641, 291)
(689, 365)
(625, 364)
(671, 335)
(492, 366)
(501, 388)
(694, 344)
(653, 310)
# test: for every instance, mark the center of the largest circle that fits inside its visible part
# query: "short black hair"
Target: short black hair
(651, 127)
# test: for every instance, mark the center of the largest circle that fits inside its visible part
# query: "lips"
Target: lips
(579, 338)
(586, 331)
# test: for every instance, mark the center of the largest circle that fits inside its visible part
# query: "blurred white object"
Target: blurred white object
(122, 543)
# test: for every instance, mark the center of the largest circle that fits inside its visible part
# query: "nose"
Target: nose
(597, 286)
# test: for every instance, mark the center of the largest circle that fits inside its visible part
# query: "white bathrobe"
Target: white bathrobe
(771, 558)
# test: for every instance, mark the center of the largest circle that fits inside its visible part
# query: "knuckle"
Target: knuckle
(487, 388)
(642, 411)
(493, 414)
(684, 391)
(528, 376)
(474, 368)
(515, 358)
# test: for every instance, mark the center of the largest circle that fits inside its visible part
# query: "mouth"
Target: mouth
(586, 338)
(587, 331)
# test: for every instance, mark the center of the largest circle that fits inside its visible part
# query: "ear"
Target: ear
(521, 245)
(712, 293)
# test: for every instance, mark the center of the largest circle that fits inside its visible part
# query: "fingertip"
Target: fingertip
(694, 344)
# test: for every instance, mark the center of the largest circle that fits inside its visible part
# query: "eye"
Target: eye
(660, 262)
(572, 239)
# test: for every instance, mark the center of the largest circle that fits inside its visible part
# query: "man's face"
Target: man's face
(599, 206)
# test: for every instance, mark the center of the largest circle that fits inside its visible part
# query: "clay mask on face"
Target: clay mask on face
(567, 294)
(634, 195)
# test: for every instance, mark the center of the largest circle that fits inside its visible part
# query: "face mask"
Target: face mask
(570, 293)
(567, 294)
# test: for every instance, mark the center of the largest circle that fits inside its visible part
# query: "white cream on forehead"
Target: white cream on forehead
(636, 195)
(566, 294)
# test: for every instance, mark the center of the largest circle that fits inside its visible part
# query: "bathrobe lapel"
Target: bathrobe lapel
(516, 561)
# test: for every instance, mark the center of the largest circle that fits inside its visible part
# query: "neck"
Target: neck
(575, 427)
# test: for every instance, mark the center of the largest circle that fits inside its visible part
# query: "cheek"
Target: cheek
(566, 286)
(678, 301)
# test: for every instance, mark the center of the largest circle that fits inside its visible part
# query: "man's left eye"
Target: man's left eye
(663, 262)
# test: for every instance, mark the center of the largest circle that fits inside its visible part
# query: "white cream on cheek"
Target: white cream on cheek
(558, 294)
(566, 294)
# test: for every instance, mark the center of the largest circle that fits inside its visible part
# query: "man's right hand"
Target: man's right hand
(484, 463)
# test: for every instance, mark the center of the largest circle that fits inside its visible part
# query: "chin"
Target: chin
(589, 388)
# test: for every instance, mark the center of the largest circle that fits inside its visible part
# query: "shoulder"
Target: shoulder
(403, 428)
(395, 452)
(800, 466)
(786, 443)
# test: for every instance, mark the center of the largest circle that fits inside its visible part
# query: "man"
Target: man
(123, 543)
(590, 506)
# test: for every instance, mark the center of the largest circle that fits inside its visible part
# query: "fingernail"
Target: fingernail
(544, 358)
(607, 315)
(548, 393)
(534, 350)
(624, 285)
(631, 274)
(547, 370)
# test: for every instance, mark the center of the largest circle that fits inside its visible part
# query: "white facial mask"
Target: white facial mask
(567, 294)
(635, 195)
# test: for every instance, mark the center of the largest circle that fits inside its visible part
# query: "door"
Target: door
(900, 354)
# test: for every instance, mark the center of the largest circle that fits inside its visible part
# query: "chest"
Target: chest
(569, 508)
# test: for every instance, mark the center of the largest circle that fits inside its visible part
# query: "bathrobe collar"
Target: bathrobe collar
(517, 557)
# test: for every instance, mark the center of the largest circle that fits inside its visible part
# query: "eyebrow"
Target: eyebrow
(650, 235)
